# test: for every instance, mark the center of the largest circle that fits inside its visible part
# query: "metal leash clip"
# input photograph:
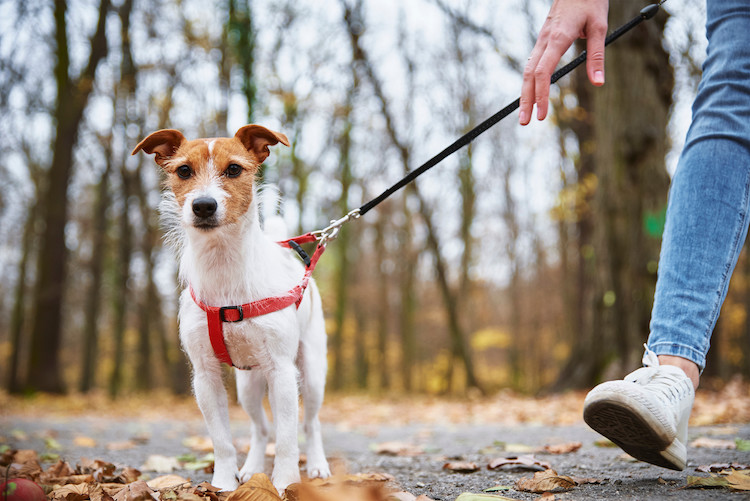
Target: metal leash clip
(331, 231)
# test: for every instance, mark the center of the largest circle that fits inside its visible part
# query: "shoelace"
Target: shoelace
(664, 382)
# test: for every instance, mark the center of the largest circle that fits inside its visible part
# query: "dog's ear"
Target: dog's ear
(162, 143)
(256, 139)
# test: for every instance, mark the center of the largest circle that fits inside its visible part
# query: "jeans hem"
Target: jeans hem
(680, 350)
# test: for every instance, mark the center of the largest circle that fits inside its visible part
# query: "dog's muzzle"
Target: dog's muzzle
(204, 209)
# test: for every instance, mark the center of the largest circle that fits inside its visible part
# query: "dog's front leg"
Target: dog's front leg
(212, 401)
(283, 397)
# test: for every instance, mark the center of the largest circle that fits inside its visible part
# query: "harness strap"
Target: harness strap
(217, 315)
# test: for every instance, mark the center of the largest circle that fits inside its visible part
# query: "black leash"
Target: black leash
(646, 13)
(331, 231)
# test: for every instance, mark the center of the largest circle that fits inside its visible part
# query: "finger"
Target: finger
(552, 54)
(596, 33)
(528, 85)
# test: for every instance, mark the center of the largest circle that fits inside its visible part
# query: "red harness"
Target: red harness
(217, 315)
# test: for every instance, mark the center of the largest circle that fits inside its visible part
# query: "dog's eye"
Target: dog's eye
(184, 172)
(233, 170)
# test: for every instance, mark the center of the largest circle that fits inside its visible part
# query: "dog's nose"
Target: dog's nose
(204, 207)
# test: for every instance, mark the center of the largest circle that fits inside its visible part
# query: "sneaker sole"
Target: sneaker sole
(627, 424)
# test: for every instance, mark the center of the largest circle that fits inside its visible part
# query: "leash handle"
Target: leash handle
(646, 13)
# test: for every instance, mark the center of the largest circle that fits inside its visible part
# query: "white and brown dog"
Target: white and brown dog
(211, 210)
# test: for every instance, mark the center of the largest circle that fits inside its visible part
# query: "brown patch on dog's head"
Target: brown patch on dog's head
(221, 166)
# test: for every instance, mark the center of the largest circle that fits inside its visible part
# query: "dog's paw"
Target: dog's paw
(226, 481)
(249, 469)
(282, 480)
(319, 470)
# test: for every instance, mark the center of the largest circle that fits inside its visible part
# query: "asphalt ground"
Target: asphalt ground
(415, 451)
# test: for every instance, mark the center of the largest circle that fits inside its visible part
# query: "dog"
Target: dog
(211, 212)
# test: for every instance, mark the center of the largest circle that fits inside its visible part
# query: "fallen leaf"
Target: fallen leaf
(128, 475)
(498, 488)
(712, 481)
(739, 480)
(25, 456)
(401, 496)
(527, 462)
(563, 448)
(84, 442)
(461, 467)
(716, 467)
(713, 443)
(136, 491)
(59, 469)
(470, 496)
(604, 442)
(395, 448)
(582, 480)
(339, 492)
(121, 446)
(160, 464)
(70, 492)
(167, 482)
(742, 445)
(545, 481)
(258, 488)
(97, 493)
(52, 443)
(199, 443)
(520, 448)
(547, 496)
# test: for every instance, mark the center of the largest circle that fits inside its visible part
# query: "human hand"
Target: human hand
(567, 21)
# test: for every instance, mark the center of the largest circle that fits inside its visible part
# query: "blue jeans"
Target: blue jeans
(709, 199)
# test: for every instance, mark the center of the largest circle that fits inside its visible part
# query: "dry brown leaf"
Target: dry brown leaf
(582, 480)
(547, 496)
(97, 493)
(81, 441)
(461, 467)
(528, 462)
(563, 448)
(167, 482)
(71, 492)
(160, 464)
(60, 469)
(739, 480)
(199, 443)
(128, 475)
(396, 448)
(258, 488)
(338, 492)
(545, 481)
(121, 446)
(401, 496)
(136, 491)
(24, 456)
(713, 443)
(715, 467)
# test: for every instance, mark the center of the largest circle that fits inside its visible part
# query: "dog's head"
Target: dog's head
(212, 179)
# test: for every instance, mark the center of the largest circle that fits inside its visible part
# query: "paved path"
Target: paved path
(352, 449)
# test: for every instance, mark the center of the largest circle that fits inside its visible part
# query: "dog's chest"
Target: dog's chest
(245, 344)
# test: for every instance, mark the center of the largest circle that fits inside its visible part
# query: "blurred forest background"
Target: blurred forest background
(526, 261)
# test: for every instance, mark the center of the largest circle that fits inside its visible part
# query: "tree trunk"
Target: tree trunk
(623, 145)
(344, 262)
(15, 385)
(93, 296)
(120, 290)
(43, 371)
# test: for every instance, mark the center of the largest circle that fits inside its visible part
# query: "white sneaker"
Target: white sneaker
(646, 414)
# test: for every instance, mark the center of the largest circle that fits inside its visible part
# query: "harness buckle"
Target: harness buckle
(223, 309)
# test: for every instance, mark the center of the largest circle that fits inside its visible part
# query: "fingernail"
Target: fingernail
(523, 117)
(599, 77)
